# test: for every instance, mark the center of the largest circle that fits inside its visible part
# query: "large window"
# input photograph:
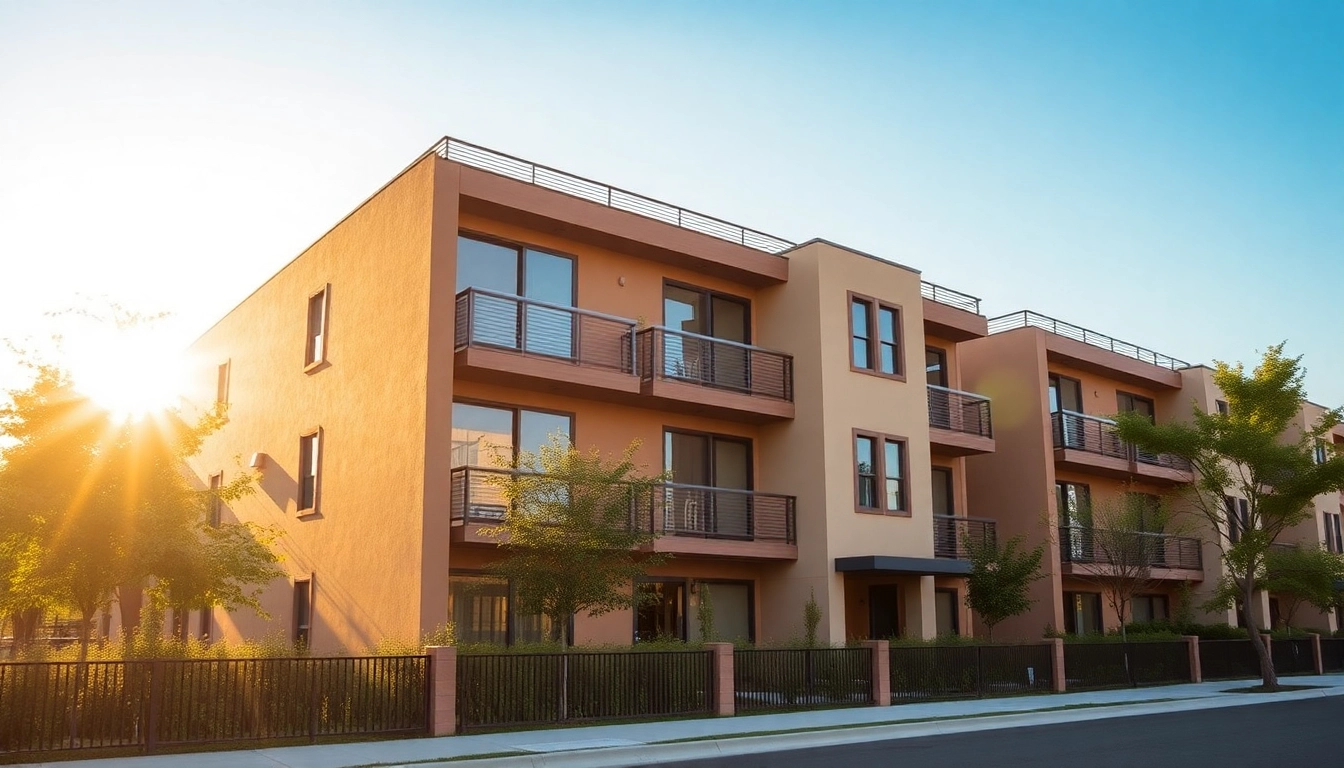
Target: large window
(484, 433)
(1082, 613)
(692, 313)
(545, 326)
(310, 463)
(1128, 403)
(880, 473)
(1150, 608)
(482, 611)
(875, 332)
(732, 609)
(662, 611)
(1333, 540)
(946, 608)
(1238, 517)
(315, 349)
(935, 366)
(1074, 505)
(701, 463)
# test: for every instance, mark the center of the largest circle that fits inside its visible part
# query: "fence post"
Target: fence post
(881, 662)
(1192, 646)
(1316, 653)
(723, 697)
(442, 690)
(156, 672)
(1057, 667)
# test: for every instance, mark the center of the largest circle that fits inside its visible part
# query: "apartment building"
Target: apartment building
(478, 304)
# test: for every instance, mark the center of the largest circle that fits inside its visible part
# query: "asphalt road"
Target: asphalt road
(1288, 733)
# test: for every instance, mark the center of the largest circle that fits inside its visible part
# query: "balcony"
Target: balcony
(513, 341)
(688, 520)
(1082, 552)
(959, 422)
(1090, 444)
(1095, 352)
(951, 314)
(952, 536)
(701, 375)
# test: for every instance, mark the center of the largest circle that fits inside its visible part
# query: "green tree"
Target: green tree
(1249, 453)
(1001, 575)
(1125, 542)
(1303, 575)
(571, 530)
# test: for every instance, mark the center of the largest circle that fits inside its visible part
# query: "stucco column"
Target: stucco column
(1057, 670)
(881, 651)
(722, 692)
(921, 613)
(1196, 672)
(442, 690)
(1316, 653)
(1260, 609)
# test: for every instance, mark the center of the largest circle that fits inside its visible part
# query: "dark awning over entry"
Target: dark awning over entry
(923, 566)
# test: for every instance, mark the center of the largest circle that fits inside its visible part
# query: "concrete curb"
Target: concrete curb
(652, 754)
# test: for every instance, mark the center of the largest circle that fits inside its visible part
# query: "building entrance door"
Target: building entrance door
(884, 618)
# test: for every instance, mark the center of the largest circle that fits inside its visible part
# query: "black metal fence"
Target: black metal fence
(959, 411)
(1228, 659)
(500, 690)
(145, 704)
(1293, 656)
(1332, 654)
(668, 354)
(926, 673)
(1118, 665)
(802, 678)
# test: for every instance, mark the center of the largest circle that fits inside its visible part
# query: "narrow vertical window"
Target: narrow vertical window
(216, 503)
(865, 460)
(206, 626)
(1238, 518)
(888, 330)
(316, 349)
(1333, 540)
(222, 384)
(893, 471)
(1221, 407)
(303, 612)
(860, 323)
(310, 457)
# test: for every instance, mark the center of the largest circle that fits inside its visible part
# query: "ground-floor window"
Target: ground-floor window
(732, 604)
(482, 611)
(1150, 608)
(661, 613)
(1082, 613)
(945, 603)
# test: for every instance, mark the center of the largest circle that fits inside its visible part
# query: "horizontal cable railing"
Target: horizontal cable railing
(958, 411)
(723, 513)
(668, 354)
(954, 536)
(1029, 319)
(476, 496)
(951, 298)
(1093, 434)
(537, 328)
(1128, 549)
(593, 191)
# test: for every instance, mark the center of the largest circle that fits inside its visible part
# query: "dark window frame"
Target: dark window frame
(950, 473)
(310, 441)
(1133, 399)
(521, 248)
(685, 583)
(223, 375)
(707, 297)
(709, 454)
(1070, 620)
(303, 597)
(1150, 598)
(1238, 517)
(874, 339)
(511, 614)
(1057, 380)
(215, 512)
(317, 341)
(515, 437)
(1084, 496)
(1222, 408)
(956, 609)
(880, 441)
(1334, 537)
(945, 375)
(751, 601)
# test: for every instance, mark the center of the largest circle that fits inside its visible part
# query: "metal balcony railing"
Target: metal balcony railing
(953, 536)
(1083, 545)
(537, 328)
(951, 298)
(594, 191)
(958, 411)
(1093, 434)
(676, 355)
(721, 513)
(1029, 319)
(474, 497)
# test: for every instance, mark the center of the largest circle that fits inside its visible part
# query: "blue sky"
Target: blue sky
(1168, 173)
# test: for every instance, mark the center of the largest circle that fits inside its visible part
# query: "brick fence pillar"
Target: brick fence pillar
(724, 697)
(442, 690)
(881, 651)
(1316, 653)
(1057, 665)
(1192, 646)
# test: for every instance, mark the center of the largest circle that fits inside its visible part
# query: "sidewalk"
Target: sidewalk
(628, 744)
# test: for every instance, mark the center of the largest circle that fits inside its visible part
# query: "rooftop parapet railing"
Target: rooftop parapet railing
(613, 197)
(1029, 319)
(941, 295)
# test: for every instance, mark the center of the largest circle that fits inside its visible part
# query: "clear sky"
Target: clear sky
(1169, 173)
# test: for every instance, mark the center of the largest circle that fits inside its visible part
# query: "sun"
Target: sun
(132, 372)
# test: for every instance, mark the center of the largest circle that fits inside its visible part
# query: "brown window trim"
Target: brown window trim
(516, 408)
(321, 443)
(522, 248)
(880, 471)
(312, 361)
(874, 344)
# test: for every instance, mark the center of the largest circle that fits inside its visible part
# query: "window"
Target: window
(875, 332)
(945, 606)
(216, 503)
(1320, 453)
(315, 351)
(1149, 608)
(689, 315)
(1082, 613)
(1074, 505)
(303, 613)
(546, 279)
(942, 492)
(310, 460)
(662, 611)
(1135, 404)
(1221, 407)
(222, 384)
(482, 433)
(935, 366)
(1333, 540)
(1066, 399)
(880, 459)
(733, 610)
(482, 611)
(206, 625)
(1238, 517)
(699, 463)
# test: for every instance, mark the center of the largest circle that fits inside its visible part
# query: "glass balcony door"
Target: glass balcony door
(706, 314)
(1066, 398)
(708, 462)
(518, 271)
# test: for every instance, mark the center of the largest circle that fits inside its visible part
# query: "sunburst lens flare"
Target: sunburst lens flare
(132, 372)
